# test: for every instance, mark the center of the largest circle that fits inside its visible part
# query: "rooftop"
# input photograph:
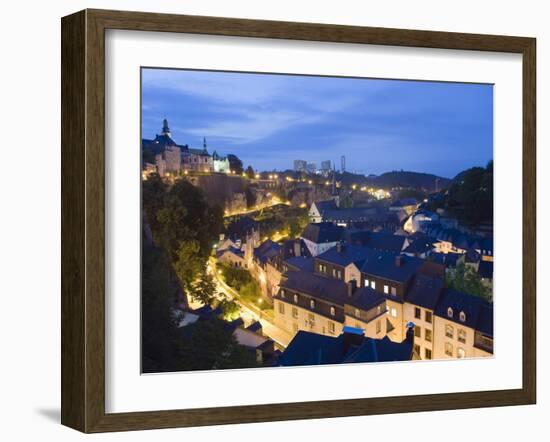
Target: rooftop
(328, 289)
(322, 233)
(308, 348)
(425, 291)
(387, 265)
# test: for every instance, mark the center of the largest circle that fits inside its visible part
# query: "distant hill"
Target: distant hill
(425, 181)
(388, 180)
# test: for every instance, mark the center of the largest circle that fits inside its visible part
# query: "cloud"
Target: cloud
(232, 88)
(253, 126)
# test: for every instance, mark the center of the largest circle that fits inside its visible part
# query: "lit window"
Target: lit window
(394, 312)
(312, 303)
(393, 291)
(417, 312)
(449, 349)
(282, 293)
(373, 285)
(450, 312)
(357, 312)
(428, 335)
(332, 311)
(460, 353)
(366, 282)
(449, 331)
(386, 289)
(462, 336)
(296, 299)
(462, 317)
(428, 317)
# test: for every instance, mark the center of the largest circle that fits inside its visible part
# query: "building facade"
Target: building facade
(382, 293)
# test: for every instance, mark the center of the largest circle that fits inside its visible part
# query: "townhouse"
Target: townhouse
(381, 292)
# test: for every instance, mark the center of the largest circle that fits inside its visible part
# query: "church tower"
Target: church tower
(335, 195)
(165, 128)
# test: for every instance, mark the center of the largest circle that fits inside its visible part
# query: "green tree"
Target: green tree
(250, 172)
(417, 194)
(204, 289)
(465, 279)
(161, 346)
(203, 345)
(230, 308)
(210, 346)
(470, 197)
(235, 164)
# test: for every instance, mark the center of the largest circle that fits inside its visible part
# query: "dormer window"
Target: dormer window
(282, 293)
(462, 317)
(332, 311)
(296, 299)
(312, 303)
(357, 313)
(450, 312)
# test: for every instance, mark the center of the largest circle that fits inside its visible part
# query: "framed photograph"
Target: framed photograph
(266, 221)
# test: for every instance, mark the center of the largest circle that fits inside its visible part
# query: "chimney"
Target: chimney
(352, 286)
(398, 261)
(297, 248)
(409, 336)
(352, 337)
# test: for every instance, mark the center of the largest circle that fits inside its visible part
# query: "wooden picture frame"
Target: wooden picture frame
(83, 220)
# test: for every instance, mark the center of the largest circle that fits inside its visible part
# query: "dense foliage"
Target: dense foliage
(289, 222)
(242, 281)
(183, 228)
(235, 164)
(465, 279)
(470, 196)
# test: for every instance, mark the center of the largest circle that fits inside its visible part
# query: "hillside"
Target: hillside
(425, 181)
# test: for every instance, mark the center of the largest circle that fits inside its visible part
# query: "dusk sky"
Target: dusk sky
(270, 120)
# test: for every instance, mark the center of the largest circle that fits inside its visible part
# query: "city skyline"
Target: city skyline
(270, 120)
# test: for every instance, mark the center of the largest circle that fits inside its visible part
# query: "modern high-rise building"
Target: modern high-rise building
(342, 164)
(300, 165)
(311, 167)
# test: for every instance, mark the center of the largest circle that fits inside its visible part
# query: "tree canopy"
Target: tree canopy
(465, 279)
(184, 226)
(203, 345)
(235, 164)
(470, 196)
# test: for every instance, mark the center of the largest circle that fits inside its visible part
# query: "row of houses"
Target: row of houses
(381, 292)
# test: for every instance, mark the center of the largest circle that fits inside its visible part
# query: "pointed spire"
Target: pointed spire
(335, 195)
(165, 128)
(204, 143)
(333, 179)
